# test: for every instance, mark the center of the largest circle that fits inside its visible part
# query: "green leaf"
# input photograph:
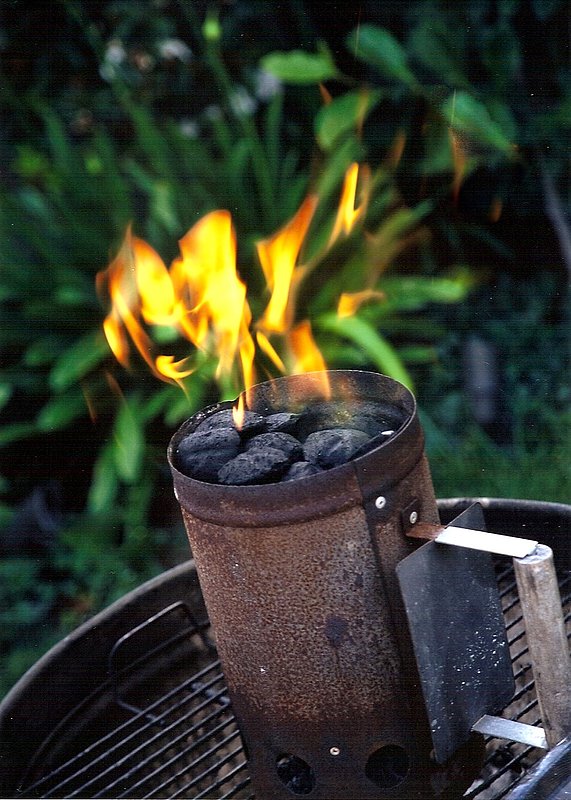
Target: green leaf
(34, 203)
(181, 406)
(272, 134)
(381, 353)
(404, 220)
(241, 155)
(409, 293)
(158, 401)
(16, 432)
(335, 167)
(104, 482)
(418, 354)
(503, 116)
(299, 67)
(436, 45)
(73, 296)
(470, 117)
(5, 393)
(438, 157)
(162, 206)
(128, 441)
(392, 235)
(75, 362)
(61, 410)
(31, 164)
(378, 47)
(343, 114)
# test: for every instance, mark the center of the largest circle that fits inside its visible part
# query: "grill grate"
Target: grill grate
(507, 762)
(152, 731)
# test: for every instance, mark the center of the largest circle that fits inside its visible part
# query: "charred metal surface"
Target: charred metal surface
(300, 584)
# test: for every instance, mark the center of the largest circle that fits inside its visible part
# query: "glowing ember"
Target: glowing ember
(202, 299)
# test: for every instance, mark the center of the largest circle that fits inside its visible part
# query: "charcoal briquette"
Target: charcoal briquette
(284, 445)
(285, 442)
(200, 455)
(301, 469)
(374, 418)
(282, 421)
(252, 423)
(259, 465)
(373, 442)
(331, 448)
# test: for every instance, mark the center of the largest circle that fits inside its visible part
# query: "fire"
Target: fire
(348, 213)
(218, 308)
(349, 303)
(308, 357)
(201, 297)
(278, 256)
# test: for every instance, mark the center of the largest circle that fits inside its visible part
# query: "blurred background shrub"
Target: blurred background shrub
(154, 113)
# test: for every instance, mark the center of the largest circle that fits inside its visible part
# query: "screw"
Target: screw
(334, 751)
(380, 502)
(413, 517)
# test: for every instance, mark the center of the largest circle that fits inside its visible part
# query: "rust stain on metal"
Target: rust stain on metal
(426, 531)
(299, 581)
(336, 630)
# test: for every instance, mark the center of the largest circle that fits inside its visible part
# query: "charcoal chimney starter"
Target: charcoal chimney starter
(300, 585)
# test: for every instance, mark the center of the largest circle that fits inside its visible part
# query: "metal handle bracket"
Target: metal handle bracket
(489, 542)
(502, 728)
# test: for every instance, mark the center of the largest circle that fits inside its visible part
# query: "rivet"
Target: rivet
(380, 502)
(334, 751)
(413, 517)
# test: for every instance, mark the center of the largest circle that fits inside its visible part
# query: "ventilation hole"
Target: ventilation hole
(388, 766)
(295, 773)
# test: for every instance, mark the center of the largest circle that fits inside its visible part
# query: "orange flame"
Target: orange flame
(207, 273)
(307, 355)
(202, 299)
(278, 256)
(349, 303)
(348, 212)
(201, 296)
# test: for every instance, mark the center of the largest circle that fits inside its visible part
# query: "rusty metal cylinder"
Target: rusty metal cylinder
(299, 581)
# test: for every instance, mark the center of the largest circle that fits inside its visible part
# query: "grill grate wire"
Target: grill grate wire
(182, 740)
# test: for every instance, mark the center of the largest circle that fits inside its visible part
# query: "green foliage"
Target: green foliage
(378, 47)
(299, 67)
(477, 467)
(138, 135)
(486, 99)
(343, 115)
(469, 117)
(533, 397)
(376, 348)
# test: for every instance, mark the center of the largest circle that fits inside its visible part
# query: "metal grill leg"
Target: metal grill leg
(548, 647)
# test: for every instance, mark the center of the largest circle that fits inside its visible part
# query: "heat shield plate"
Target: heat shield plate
(456, 624)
